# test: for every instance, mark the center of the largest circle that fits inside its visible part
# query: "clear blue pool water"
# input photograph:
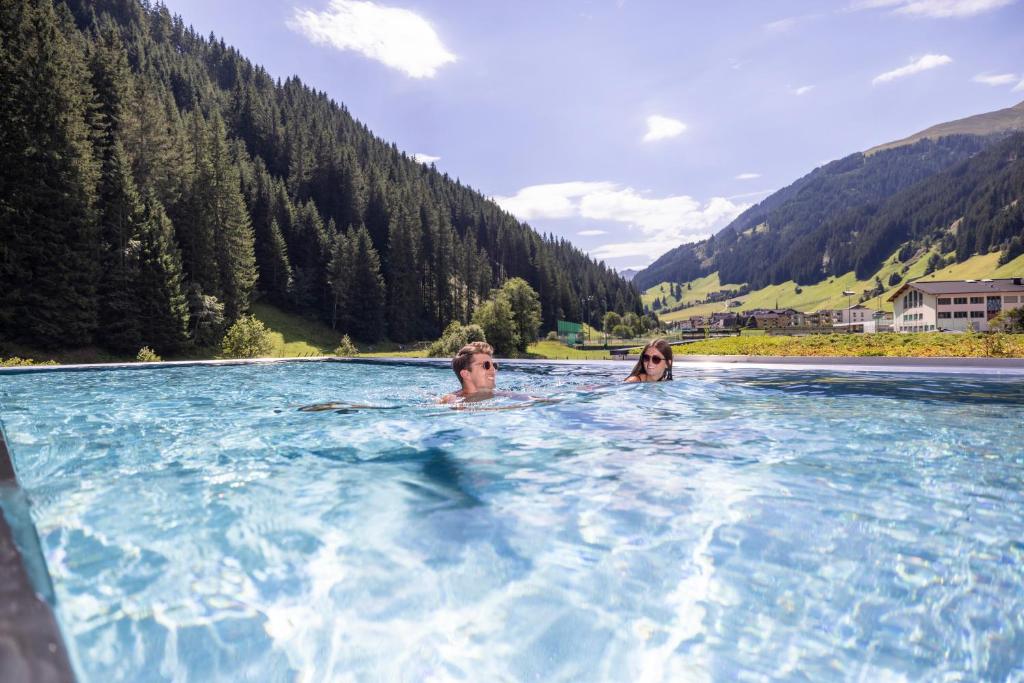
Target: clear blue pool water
(736, 524)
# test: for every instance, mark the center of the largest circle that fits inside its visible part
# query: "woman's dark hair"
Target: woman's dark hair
(665, 349)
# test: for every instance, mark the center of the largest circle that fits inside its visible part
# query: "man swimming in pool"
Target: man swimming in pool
(476, 370)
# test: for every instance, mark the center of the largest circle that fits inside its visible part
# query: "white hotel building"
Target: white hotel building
(956, 305)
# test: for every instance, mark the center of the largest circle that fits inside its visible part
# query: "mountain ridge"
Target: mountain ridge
(845, 215)
(1003, 120)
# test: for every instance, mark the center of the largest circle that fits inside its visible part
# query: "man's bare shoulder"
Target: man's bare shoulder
(453, 397)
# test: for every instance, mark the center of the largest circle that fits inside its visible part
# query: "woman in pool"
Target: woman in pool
(655, 364)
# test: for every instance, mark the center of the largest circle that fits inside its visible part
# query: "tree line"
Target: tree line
(154, 183)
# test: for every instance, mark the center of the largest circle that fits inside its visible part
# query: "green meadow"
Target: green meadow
(829, 294)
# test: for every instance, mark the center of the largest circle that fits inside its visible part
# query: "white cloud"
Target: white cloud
(780, 26)
(758, 193)
(802, 90)
(394, 36)
(425, 158)
(917, 66)
(662, 128)
(591, 233)
(554, 200)
(1019, 87)
(660, 223)
(995, 79)
(748, 176)
(939, 9)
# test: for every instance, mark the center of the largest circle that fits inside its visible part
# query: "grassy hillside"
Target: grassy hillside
(829, 294)
(695, 290)
(296, 336)
(989, 123)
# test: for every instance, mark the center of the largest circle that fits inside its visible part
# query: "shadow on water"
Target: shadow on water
(440, 478)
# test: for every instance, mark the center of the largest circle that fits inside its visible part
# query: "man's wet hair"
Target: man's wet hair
(464, 357)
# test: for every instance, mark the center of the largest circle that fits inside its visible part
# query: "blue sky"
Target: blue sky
(625, 126)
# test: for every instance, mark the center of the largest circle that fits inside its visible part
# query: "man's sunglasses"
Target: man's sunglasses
(488, 364)
(651, 359)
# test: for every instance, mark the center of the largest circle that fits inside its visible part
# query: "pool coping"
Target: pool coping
(890, 364)
(32, 648)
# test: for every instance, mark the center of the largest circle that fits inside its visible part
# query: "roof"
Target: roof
(934, 287)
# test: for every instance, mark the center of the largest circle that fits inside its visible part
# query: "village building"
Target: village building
(822, 318)
(725, 321)
(769, 318)
(954, 305)
(858, 313)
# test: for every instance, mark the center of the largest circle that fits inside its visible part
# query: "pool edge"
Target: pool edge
(898, 364)
(32, 648)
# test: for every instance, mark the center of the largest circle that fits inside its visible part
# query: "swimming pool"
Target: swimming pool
(738, 523)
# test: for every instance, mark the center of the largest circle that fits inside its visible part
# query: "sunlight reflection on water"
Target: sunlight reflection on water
(736, 522)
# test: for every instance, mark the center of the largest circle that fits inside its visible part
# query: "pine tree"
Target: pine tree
(232, 231)
(272, 264)
(163, 309)
(378, 215)
(340, 278)
(366, 298)
(403, 286)
(48, 177)
(196, 219)
(120, 327)
(310, 251)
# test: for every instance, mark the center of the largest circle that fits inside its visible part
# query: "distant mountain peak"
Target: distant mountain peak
(990, 123)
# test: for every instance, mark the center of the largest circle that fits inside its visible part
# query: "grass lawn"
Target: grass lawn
(395, 353)
(295, 336)
(559, 351)
(926, 344)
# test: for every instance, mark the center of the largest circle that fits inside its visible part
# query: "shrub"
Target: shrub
(247, 338)
(14, 361)
(622, 331)
(525, 307)
(346, 348)
(147, 355)
(206, 317)
(454, 337)
(498, 322)
(552, 336)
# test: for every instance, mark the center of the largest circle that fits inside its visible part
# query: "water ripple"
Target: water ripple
(298, 521)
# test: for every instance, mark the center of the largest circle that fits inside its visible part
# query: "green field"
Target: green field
(695, 290)
(829, 294)
(295, 336)
(925, 345)
(557, 350)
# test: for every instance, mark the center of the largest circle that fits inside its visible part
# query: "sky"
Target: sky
(629, 127)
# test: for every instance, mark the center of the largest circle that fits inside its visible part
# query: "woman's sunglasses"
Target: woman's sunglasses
(651, 359)
(488, 364)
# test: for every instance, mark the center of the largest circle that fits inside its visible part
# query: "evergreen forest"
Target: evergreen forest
(154, 183)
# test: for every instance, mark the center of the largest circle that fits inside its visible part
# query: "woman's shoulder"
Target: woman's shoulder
(635, 378)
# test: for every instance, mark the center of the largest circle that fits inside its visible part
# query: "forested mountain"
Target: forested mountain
(853, 213)
(154, 182)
